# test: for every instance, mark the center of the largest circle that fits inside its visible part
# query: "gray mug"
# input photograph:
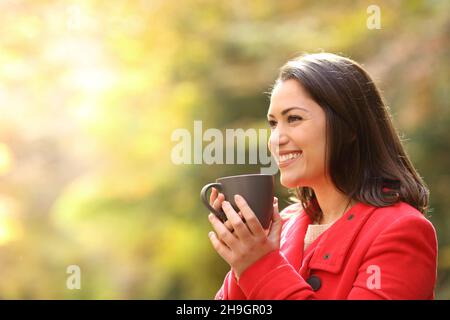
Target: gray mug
(256, 189)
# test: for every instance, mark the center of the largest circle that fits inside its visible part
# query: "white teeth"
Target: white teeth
(289, 156)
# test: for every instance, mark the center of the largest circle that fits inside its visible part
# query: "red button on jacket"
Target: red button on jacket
(369, 253)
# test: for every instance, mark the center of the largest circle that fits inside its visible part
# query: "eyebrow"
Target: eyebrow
(287, 110)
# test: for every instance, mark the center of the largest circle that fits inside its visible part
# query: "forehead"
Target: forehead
(290, 93)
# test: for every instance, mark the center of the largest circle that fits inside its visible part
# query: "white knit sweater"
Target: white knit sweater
(314, 231)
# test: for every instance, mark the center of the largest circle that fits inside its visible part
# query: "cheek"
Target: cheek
(315, 152)
(315, 162)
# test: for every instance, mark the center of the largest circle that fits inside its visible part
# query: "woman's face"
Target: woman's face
(297, 139)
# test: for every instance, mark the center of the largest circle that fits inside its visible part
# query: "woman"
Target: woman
(358, 229)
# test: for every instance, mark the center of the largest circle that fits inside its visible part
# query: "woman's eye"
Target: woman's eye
(294, 118)
(272, 123)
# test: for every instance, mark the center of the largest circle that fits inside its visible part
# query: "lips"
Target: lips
(287, 158)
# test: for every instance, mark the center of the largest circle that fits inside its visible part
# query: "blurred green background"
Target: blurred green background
(91, 91)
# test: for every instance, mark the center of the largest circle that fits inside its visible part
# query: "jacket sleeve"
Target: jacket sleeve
(405, 255)
(400, 263)
(273, 278)
(280, 281)
(230, 289)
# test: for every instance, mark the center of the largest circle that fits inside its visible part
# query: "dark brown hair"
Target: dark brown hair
(364, 154)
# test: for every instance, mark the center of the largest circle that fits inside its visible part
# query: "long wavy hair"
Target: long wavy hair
(364, 154)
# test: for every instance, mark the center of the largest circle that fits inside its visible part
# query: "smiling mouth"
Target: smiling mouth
(286, 159)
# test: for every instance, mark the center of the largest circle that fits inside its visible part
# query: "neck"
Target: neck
(332, 202)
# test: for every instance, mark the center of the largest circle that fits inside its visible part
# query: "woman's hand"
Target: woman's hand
(216, 200)
(249, 242)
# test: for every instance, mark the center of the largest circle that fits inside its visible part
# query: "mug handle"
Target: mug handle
(217, 185)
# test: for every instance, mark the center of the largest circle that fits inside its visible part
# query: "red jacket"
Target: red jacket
(369, 253)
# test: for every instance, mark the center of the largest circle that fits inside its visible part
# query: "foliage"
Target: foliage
(91, 91)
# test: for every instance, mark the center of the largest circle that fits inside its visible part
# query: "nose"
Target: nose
(276, 140)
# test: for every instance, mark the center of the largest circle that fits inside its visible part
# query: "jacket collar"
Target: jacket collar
(331, 248)
(293, 237)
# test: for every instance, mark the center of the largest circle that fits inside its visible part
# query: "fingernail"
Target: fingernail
(210, 234)
(210, 216)
(238, 198)
(225, 203)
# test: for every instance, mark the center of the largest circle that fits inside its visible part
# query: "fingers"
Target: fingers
(275, 214)
(221, 231)
(275, 207)
(215, 200)
(251, 220)
(213, 195)
(229, 225)
(276, 218)
(217, 204)
(275, 227)
(220, 246)
(240, 228)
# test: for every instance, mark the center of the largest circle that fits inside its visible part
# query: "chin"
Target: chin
(290, 182)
